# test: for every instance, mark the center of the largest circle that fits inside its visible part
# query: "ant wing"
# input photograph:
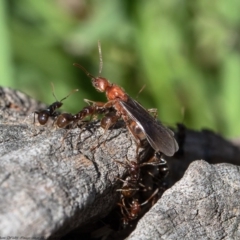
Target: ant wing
(159, 137)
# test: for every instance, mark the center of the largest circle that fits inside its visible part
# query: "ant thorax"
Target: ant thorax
(115, 92)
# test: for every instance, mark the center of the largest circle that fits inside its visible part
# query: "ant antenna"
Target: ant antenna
(100, 63)
(155, 192)
(100, 58)
(81, 67)
(53, 92)
(183, 113)
(141, 90)
(75, 90)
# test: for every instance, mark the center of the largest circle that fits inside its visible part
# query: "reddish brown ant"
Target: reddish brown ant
(132, 182)
(132, 210)
(43, 115)
(66, 119)
(159, 137)
(140, 183)
(129, 212)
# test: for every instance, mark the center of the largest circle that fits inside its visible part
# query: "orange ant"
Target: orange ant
(159, 137)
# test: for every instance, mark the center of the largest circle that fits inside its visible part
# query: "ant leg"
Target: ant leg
(156, 160)
(137, 133)
(127, 190)
(93, 103)
(154, 112)
(125, 213)
(84, 123)
(34, 126)
(63, 138)
(162, 168)
(153, 195)
(36, 112)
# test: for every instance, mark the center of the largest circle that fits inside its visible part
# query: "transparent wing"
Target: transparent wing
(159, 137)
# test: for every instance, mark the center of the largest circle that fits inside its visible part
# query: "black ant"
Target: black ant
(43, 115)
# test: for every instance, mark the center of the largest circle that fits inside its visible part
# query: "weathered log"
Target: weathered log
(55, 180)
(50, 181)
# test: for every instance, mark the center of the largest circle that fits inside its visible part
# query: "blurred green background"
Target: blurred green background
(186, 52)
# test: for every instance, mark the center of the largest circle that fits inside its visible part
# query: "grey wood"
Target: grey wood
(53, 180)
(204, 204)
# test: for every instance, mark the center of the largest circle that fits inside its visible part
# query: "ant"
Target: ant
(66, 119)
(131, 211)
(50, 111)
(132, 182)
(140, 183)
(158, 136)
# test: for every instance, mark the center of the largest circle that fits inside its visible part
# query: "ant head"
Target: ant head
(100, 84)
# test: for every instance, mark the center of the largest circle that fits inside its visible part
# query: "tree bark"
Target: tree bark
(55, 180)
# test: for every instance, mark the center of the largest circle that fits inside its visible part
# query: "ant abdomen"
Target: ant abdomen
(109, 120)
(64, 120)
(43, 116)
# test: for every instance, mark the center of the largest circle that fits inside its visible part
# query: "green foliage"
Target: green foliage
(186, 52)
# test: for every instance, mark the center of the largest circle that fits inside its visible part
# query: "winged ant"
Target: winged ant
(143, 126)
(158, 136)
